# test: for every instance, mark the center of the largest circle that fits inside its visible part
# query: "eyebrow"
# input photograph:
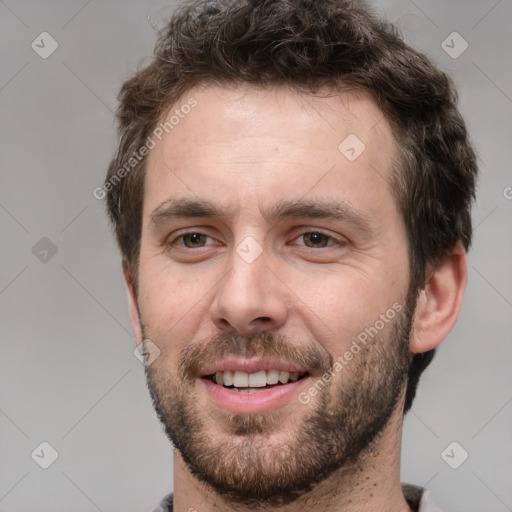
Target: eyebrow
(296, 209)
(184, 208)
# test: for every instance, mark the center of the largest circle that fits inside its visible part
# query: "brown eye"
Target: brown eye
(316, 240)
(193, 240)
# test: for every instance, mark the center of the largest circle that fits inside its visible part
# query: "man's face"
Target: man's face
(272, 245)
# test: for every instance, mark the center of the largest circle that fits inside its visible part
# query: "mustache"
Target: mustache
(260, 345)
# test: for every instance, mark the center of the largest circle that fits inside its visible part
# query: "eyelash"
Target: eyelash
(335, 241)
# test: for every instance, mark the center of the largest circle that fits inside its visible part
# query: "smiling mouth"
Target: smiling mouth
(243, 382)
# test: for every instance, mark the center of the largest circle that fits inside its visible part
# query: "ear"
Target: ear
(132, 303)
(440, 301)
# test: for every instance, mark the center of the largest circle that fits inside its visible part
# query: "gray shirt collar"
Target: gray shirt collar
(418, 498)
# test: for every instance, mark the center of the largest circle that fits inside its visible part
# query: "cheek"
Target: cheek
(337, 307)
(173, 304)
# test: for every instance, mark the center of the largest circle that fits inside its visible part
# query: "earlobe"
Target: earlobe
(132, 303)
(439, 302)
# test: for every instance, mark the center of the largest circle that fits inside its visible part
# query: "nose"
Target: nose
(249, 298)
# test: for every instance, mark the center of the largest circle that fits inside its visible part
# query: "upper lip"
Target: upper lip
(249, 366)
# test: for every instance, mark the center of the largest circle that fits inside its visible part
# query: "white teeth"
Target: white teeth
(258, 379)
(283, 377)
(272, 376)
(228, 378)
(241, 379)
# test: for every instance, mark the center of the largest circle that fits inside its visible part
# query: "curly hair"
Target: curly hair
(309, 46)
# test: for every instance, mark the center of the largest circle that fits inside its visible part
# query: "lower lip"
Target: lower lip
(261, 401)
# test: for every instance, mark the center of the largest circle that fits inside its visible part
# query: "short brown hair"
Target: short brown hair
(310, 46)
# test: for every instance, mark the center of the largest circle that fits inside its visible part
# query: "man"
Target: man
(291, 196)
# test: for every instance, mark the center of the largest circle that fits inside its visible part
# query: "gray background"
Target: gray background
(68, 375)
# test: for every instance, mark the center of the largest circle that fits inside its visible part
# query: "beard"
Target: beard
(265, 460)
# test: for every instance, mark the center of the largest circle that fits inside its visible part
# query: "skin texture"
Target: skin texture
(247, 151)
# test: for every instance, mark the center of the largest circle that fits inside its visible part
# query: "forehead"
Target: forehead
(242, 144)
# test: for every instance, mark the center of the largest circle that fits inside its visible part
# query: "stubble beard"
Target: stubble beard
(265, 460)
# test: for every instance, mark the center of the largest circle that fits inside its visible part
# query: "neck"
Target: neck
(372, 484)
